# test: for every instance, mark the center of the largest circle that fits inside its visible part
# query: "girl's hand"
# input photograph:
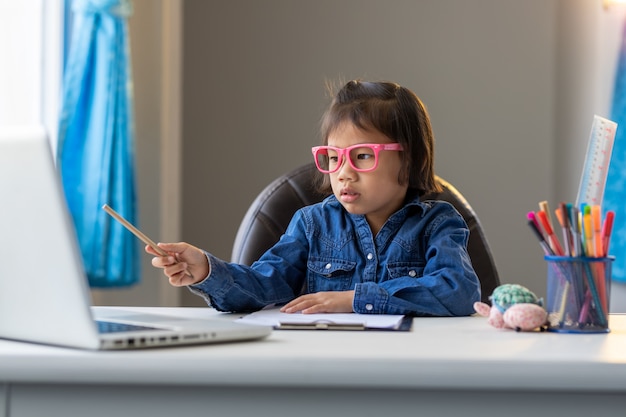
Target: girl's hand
(185, 265)
(321, 302)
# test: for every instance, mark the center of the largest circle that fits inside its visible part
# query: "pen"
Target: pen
(607, 228)
(533, 218)
(535, 228)
(145, 239)
(575, 226)
(138, 233)
(552, 239)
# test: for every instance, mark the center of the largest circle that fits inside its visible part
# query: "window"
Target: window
(32, 52)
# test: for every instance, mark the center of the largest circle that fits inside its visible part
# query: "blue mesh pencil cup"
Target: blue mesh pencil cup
(578, 294)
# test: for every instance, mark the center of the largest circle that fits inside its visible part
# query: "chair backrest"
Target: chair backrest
(268, 217)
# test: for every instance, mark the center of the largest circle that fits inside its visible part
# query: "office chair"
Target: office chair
(268, 217)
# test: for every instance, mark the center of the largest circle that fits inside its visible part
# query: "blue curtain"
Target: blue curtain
(615, 192)
(96, 144)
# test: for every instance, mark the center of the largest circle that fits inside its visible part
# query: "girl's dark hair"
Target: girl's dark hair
(397, 113)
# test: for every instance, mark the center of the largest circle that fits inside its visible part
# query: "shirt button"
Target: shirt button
(328, 266)
(412, 273)
(369, 307)
(370, 256)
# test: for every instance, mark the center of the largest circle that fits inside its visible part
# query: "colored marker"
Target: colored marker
(607, 228)
(561, 215)
(552, 239)
(596, 223)
(581, 215)
(588, 231)
(592, 226)
(543, 206)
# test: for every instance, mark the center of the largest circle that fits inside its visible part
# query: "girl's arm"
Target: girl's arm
(276, 278)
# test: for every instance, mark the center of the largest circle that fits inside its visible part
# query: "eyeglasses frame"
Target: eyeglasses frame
(376, 147)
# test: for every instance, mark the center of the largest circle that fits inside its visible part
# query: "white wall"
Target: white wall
(511, 86)
(21, 84)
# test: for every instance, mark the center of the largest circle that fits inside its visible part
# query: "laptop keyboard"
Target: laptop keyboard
(110, 327)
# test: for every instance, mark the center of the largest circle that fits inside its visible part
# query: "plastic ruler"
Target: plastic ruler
(597, 160)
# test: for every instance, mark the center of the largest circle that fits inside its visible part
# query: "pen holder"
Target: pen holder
(578, 294)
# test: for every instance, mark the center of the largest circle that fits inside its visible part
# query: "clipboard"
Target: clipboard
(339, 321)
(405, 325)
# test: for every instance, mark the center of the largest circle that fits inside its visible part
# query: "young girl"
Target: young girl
(370, 247)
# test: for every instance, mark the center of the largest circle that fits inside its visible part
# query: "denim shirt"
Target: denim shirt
(417, 264)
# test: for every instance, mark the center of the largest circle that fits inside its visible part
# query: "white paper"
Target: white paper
(273, 317)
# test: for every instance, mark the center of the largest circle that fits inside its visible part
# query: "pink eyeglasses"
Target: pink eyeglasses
(362, 157)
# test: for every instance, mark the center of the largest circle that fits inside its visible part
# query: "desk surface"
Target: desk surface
(456, 353)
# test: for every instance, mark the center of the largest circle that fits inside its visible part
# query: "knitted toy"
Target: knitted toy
(514, 307)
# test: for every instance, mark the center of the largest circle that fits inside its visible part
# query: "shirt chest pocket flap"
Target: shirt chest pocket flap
(331, 268)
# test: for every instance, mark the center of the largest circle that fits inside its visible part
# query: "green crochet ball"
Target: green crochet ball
(507, 295)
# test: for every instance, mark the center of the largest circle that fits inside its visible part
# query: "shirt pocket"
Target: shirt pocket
(405, 269)
(328, 274)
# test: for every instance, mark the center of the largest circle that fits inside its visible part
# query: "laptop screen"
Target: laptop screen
(43, 289)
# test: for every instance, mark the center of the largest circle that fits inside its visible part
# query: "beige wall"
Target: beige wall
(511, 87)
(153, 27)
(253, 92)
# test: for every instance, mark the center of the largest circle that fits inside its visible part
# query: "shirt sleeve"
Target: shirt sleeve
(448, 285)
(275, 278)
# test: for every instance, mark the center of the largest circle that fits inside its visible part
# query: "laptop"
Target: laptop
(44, 292)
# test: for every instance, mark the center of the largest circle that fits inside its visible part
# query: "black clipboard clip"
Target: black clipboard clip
(320, 325)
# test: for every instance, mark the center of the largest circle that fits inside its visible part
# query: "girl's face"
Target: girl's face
(376, 194)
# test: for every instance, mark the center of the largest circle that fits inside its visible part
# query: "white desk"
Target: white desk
(443, 367)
